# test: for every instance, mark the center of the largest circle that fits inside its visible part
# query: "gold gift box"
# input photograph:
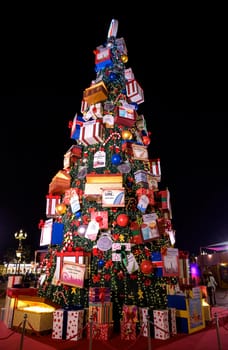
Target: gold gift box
(39, 314)
(104, 178)
(95, 93)
(60, 183)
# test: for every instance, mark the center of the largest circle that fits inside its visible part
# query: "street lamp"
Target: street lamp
(20, 236)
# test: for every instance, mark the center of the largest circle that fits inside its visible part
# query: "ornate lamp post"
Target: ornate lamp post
(20, 236)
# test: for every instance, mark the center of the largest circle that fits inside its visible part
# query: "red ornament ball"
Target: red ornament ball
(146, 267)
(122, 220)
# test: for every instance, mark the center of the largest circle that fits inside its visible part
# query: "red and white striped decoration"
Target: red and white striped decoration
(155, 168)
(51, 203)
(134, 92)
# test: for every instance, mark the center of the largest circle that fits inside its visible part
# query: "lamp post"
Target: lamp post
(21, 235)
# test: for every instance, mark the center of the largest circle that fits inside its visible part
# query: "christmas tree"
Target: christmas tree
(109, 220)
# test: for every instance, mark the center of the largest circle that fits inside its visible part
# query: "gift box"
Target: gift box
(100, 331)
(57, 233)
(189, 313)
(46, 232)
(130, 313)
(161, 324)
(95, 183)
(99, 294)
(95, 93)
(79, 257)
(155, 168)
(95, 111)
(141, 178)
(172, 320)
(127, 330)
(60, 183)
(91, 133)
(125, 115)
(51, 203)
(113, 197)
(128, 74)
(103, 57)
(71, 156)
(157, 262)
(76, 125)
(134, 92)
(101, 217)
(11, 301)
(101, 312)
(39, 313)
(67, 324)
(144, 319)
(14, 280)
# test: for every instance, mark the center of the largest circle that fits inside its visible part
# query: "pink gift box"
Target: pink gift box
(128, 330)
(100, 331)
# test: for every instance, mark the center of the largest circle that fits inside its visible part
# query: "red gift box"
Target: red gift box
(100, 331)
(125, 115)
(15, 292)
(128, 330)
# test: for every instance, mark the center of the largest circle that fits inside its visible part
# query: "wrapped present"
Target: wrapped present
(101, 312)
(128, 74)
(11, 301)
(161, 324)
(46, 232)
(130, 313)
(67, 324)
(157, 262)
(117, 248)
(99, 294)
(127, 330)
(113, 197)
(139, 152)
(144, 318)
(91, 133)
(39, 313)
(51, 203)
(76, 126)
(84, 106)
(103, 57)
(71, 156)
(70, 194)
(134, 91)
(146, 192)
(164, 201)
(172, 320)
(101, 217)
(100, 331)
(155, 168)
(14, 280)
(121, 46)
(125, 115)
(97, 92)
(60, 182)
(141, 178)
(79, 257)
(95, 111)
(57, 233)
(96, 183)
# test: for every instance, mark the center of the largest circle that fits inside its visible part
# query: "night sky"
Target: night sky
(188, 133)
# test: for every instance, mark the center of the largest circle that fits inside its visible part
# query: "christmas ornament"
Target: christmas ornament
(100, 263)
(116, 159)
(124, 58)
(146, 267)
(82, 230)
(126, 135)
(60, 209)
(122, 220)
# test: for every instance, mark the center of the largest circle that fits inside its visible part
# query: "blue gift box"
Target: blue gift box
(57, 233)
(156, 259)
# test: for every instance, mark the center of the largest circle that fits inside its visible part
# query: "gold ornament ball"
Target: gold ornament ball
(60, 208)
(124, 58)
(126, 135)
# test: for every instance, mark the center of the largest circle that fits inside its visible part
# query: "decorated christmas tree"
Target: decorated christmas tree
(108, 229)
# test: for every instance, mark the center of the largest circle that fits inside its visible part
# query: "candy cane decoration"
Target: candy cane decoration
(114, 134)
(60, 293)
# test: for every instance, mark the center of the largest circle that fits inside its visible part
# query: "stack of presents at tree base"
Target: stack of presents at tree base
(96, 321)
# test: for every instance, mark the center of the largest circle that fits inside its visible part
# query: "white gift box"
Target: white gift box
(129, 75)
(73, 320)
(51, 202)
(161, 320)
(134, 92)
(91, 133)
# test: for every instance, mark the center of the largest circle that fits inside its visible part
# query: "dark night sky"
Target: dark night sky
(189, 131)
